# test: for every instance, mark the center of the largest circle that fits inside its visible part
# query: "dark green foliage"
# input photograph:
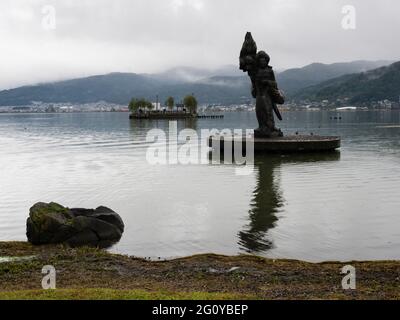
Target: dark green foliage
(374, 85)
(190, 103)
(139, 104)
(170, 102)
(293, 80)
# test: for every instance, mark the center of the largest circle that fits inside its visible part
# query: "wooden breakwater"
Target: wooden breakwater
(210, 116)
(173, 115)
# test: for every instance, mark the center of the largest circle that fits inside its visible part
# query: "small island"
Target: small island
(144, 109)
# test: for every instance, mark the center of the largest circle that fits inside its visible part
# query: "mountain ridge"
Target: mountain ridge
(314, 73)
(226, 85)
(359, 88)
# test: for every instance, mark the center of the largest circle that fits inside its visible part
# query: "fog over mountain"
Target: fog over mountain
(94, 37)
(191, 74)
(225, 85)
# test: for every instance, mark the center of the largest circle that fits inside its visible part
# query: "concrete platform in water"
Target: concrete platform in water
(286, 144)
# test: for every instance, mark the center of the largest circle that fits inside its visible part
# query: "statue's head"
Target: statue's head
(262, 59)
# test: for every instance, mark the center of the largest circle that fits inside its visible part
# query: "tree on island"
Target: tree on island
(190, 103)
(170, 102)
(133, 106)
(136, 105)
(149, 105)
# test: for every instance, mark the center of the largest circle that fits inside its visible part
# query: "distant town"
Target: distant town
(102, 106)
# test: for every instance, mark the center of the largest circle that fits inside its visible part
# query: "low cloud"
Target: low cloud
(145, 36)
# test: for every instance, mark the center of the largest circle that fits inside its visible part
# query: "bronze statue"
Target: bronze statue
(264, 88)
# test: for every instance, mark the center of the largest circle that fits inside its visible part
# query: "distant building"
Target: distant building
(156, 105)
(21, 109)
(66, 109)
(180, 106)
(346, 108)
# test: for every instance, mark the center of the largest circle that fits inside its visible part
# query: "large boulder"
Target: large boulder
(53, 223)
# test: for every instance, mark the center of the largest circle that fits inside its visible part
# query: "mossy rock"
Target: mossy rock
(52, 223)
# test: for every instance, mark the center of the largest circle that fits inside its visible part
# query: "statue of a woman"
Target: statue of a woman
(264, 88)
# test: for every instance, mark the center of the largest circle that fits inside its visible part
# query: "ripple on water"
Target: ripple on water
(343, 208)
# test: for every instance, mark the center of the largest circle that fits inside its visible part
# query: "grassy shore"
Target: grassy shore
(89, 273)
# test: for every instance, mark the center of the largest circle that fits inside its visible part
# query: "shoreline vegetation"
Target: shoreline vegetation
(91, 273)
(144, 109)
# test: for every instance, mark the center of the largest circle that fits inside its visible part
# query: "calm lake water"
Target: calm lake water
(338, 206)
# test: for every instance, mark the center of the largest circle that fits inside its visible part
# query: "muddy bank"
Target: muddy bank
(224, 276)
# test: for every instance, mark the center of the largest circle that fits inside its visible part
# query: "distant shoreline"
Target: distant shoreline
(209, 112)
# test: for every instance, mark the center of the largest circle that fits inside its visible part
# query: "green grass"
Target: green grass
(110, 294)
(19, 267)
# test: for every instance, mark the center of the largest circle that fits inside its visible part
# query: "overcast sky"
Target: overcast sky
(146, 36)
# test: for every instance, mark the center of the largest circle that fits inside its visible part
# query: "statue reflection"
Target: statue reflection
(268, 201)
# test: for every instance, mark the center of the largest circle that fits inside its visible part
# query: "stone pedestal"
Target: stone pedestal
(285, 144)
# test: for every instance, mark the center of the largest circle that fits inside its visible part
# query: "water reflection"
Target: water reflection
(265, 204)
(140, 127)
(268, 201)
